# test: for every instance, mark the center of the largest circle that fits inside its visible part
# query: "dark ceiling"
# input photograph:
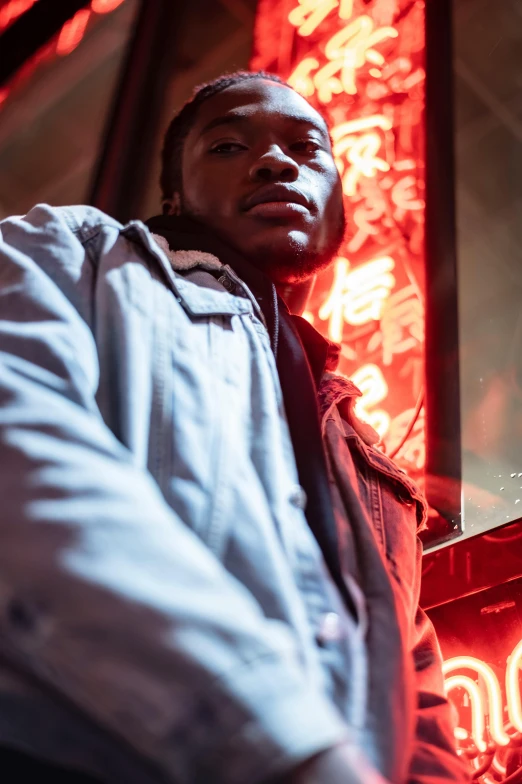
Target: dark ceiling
(52, 124)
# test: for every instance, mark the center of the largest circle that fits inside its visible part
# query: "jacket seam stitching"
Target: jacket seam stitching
(394, 477)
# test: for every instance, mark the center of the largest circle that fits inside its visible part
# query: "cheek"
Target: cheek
(199, 195)
(332, 223)
(207, 190)
(210, 199)
(325, 184)
(333, 198)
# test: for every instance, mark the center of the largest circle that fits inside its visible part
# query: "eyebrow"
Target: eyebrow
(239, 119)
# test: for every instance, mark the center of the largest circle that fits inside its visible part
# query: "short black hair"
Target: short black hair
(180, 125)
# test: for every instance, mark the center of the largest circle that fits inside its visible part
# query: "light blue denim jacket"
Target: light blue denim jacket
(165, 613)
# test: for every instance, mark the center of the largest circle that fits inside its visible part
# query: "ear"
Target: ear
(172, 206)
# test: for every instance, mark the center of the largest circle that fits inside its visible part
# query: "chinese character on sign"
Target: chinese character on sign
(301, 79)
(347, 52)
(362, 64)
(353, 46)
(402, 324)
(368, 214)
(308, 14)
(357, 295)
(360, 141)
(404, 196)
(374, 388)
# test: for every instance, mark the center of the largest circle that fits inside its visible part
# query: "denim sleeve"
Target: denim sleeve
(105, 595)
(435, 759)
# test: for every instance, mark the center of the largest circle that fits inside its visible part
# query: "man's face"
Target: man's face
(258, 169)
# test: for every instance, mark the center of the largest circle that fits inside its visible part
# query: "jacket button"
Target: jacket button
(227, 283)
(329, 629)
(298, 497)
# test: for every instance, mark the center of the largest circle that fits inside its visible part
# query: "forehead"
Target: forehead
(259, 100)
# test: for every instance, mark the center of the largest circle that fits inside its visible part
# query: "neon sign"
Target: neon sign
(492, 714)
(361, 63)
(12, 10)
(65, 42)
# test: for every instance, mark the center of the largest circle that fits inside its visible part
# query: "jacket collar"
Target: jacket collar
(191, 244)
(323, 354)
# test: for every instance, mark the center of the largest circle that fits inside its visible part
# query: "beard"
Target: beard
(291, 259)
(294, 261)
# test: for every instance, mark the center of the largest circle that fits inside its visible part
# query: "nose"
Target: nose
(274, 166)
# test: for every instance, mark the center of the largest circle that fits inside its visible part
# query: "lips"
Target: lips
(271, 194)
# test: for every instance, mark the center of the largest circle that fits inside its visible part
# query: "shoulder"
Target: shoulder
(63, 243)
(82, 220)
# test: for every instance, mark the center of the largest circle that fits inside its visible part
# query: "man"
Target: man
(208, 572)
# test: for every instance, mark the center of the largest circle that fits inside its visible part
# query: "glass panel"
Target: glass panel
(53, 114)
(488, 94)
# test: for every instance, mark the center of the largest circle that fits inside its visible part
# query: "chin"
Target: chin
(291, 261)
(292, 268)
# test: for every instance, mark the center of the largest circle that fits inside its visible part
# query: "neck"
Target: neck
(296, 295)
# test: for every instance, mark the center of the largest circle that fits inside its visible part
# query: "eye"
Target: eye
(222, 148)
(305, 145)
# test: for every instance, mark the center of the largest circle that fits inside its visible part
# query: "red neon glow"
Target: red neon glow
(105, 6)
(309, 14)
(514, 704)
(360, 62)
(374, 388)
(72, 32)
(12, 10)
(489, 717)
(492, 703)
(478, 720)
(356, 147)
(357, 296)
(66, 41)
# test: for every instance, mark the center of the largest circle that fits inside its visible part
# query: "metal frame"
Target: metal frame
(124, 163)
(442, 327)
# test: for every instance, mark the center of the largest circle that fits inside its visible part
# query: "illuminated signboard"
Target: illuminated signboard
(489, 724)
(362, 65)
(62, 44)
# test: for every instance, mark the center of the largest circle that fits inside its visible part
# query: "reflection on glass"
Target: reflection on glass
(488, 94)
